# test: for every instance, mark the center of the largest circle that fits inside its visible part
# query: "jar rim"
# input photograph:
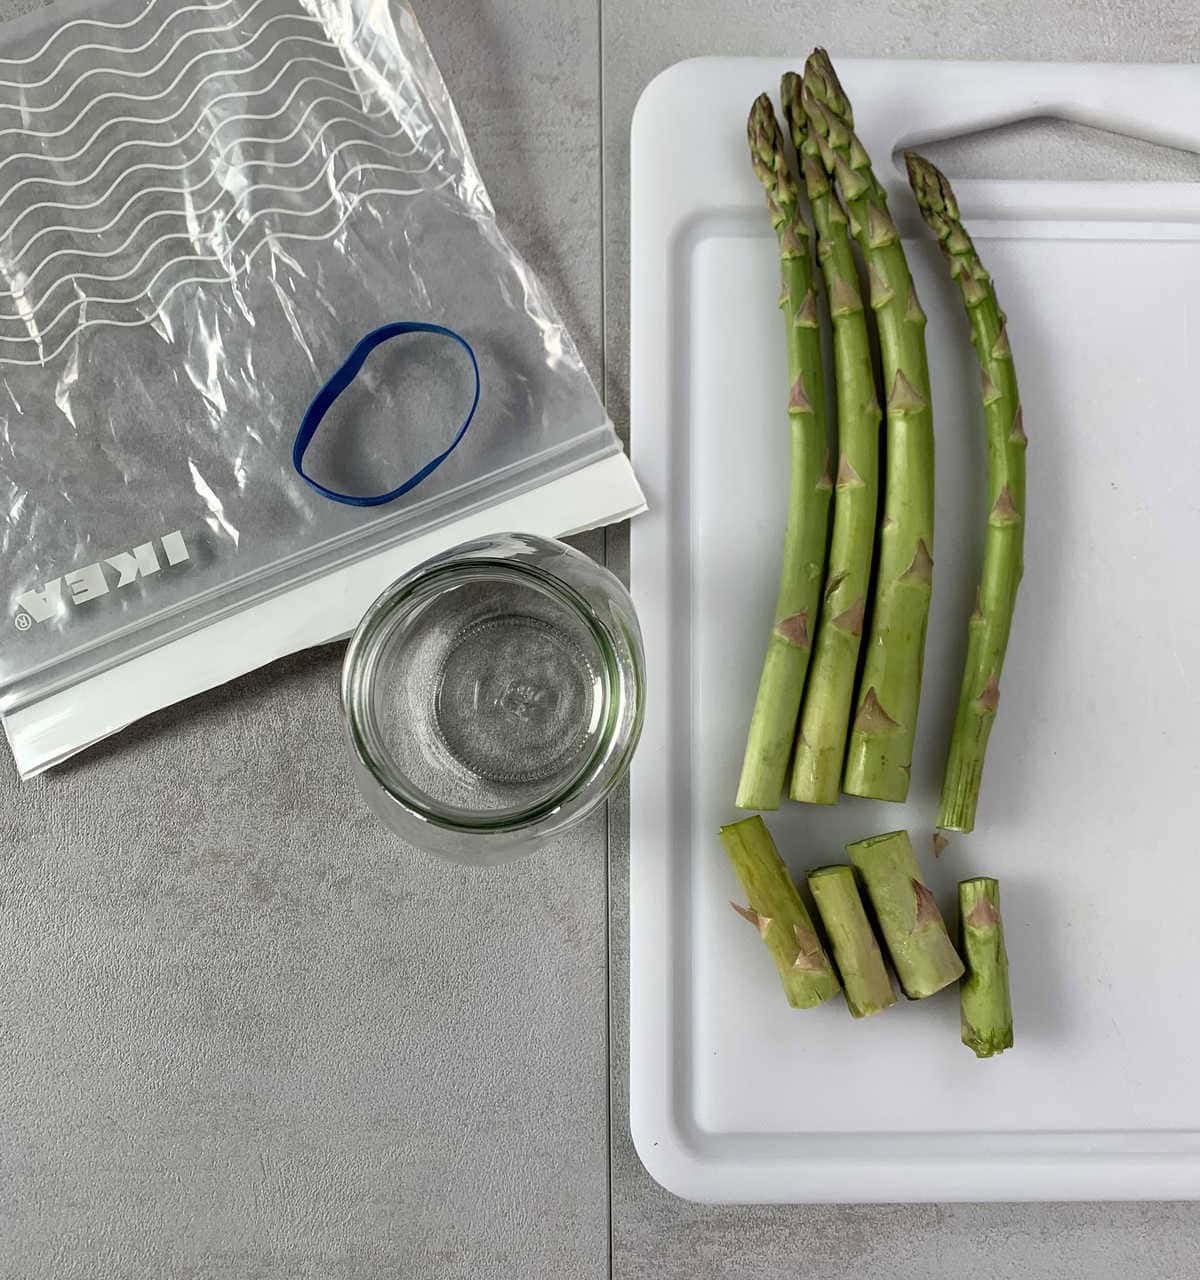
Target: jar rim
(388, 612)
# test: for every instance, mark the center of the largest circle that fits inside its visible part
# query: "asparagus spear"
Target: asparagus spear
(879, 757)
(855, 951)
(908, 915)
(829, 693)
(987, 1022)
(990, 624)
(778, 913)
(781, 686)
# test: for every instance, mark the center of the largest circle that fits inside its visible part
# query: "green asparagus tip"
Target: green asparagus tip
(791, 94)
(932, 190)
(758, 134)
(821, 126)
(760, 120)
(816, 76)
(813, 109)
(770, 161)
(823, 80)
(764, 131)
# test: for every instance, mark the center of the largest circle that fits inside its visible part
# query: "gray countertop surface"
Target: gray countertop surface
(244, 1033)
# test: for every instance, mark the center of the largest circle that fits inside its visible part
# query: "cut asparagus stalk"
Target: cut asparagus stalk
(855, 950)
(991, 622)
(781, 686)
(908, 915)
(778, 913)
(987, 1022)
(829, 692)
(879, 756)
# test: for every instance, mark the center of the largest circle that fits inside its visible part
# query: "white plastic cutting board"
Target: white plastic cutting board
(1091, 808)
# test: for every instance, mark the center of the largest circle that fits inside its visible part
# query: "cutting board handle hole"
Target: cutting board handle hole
(1051, 147)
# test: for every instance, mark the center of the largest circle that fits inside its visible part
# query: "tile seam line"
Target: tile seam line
(608, 1007)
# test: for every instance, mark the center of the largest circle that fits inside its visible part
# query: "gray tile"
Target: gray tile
(525, 81)
(245, 1032)
(655, 1234)
(248, 1033)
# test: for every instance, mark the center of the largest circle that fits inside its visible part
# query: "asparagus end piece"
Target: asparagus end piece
(908, 915)
(855, 949)
(987, 1021)
(777, 911)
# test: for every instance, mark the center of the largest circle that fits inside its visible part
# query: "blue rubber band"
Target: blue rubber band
(324, 399)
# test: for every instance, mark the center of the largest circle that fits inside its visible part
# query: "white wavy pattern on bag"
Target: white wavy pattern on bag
(226, 233)
(223, 154)
(29, 319)
(103, 48)
(146, 72)
(151, 144)
(113, 122)
(273, 237)
(131, 238)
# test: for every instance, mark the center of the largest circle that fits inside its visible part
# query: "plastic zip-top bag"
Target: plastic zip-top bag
(207, 211)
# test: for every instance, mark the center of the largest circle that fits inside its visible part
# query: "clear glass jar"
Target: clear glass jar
(494, 697)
